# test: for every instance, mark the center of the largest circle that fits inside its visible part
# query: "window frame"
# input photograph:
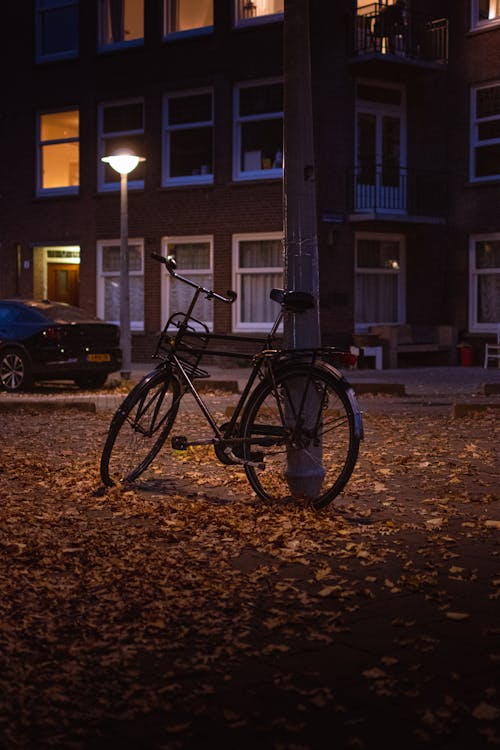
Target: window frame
(238, 326)
(240, 22)
(190, 273)
(363, 327)
(201, 179)
(260, 174)
(40, 14)
(136, 326)
(475, 143)
(54, 191)
(102, 186)
(123, 44)
(487, 23)
(474, 274)
(167, 35)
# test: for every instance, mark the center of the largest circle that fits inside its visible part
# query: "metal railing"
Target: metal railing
(387, 30)
(383, 189)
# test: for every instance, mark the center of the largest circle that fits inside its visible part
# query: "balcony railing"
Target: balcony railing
(391, 31)
(397, 191)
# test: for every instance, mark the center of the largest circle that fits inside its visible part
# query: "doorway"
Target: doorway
(63, 283)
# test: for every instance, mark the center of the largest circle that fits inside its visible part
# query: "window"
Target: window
(58, 152)
(121, 22)
(121, 125)
(258, 135)
(108, 282)
(193, 256)
(188, 138)
(380, 174)
(250, 11)
(485, 12)
(379, 282)
(56, 29)
(184, 16)
(258, 268)
(485, 132)
(485, 283)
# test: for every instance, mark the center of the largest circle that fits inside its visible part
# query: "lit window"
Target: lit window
(58, 152)
(121, 125)
(121, 22)
(258, 136)
(108, 282)
(193, 257)
(379, 284)
(188, 138)
(56, 29)
(257, 10)
(485, 12)
(258, 268)
(485, 132)
(183, 16)
(485, 283)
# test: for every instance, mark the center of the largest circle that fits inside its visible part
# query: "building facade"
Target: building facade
(406, 122)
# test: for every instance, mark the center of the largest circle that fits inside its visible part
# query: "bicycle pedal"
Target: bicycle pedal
(179, 443)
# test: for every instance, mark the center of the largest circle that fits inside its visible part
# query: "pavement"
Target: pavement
(455, 390)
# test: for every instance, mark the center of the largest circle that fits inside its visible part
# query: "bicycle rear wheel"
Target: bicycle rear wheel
(307, 430)
(140, 427)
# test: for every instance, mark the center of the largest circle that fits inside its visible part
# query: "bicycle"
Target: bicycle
(295, 430)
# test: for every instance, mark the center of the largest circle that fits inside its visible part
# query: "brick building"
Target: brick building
(407, 141)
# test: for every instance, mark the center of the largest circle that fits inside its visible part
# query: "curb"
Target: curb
(48, 403)
(464, 410)
(394, 389)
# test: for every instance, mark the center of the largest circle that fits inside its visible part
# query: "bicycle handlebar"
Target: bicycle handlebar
(170, 265)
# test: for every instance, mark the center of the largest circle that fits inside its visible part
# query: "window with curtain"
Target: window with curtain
(188, 138)
(193, 256)
(121, 22)
(183, 16)
(485, 132)
(485, 283)
(121, 125)
(56, 29)
(485, 12)
(258, 131)
(379, 279)
(108, 282)
(258, 268)
(259, 10)
(58, 152)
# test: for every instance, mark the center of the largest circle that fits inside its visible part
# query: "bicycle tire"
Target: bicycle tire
(140, 427)
(307, 428)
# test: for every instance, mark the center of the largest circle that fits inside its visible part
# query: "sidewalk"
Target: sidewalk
(402, 388)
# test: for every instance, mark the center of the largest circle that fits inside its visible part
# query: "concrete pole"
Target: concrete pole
(304, 471)
(125, 335)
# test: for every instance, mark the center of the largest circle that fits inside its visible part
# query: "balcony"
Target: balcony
(403, 194)
(396, 35)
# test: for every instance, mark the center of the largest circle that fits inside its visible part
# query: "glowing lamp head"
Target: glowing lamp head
(123, 161)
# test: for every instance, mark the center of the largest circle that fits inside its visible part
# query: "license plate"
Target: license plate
(98, 357)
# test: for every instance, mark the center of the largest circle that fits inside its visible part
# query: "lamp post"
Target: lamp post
(123, 162)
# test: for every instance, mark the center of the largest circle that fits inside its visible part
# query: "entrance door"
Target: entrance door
(63, 282)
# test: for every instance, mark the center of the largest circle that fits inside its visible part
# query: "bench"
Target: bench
(417, 339)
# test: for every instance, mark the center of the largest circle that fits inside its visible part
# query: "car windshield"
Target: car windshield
(63, 313)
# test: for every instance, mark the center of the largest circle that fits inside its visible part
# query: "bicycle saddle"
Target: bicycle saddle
(293, 301)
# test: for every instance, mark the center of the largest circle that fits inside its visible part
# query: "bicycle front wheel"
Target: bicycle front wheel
(140, 427)
(302, 434)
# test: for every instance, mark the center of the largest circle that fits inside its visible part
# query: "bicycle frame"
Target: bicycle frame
(172, 345)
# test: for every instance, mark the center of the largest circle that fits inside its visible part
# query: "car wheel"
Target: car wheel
(91, 381)
(14, 370)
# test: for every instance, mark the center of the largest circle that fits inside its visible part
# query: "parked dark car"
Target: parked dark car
(54, 341)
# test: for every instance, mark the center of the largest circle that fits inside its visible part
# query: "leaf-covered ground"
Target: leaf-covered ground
(186, 614)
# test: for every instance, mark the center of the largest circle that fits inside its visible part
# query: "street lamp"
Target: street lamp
(124, 161)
